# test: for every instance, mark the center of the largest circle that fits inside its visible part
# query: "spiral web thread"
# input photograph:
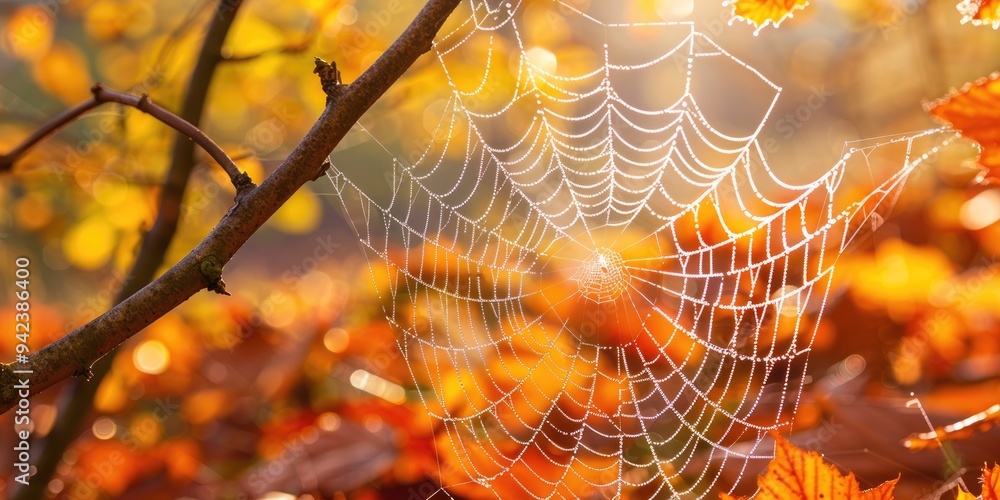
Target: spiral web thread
(598, 293)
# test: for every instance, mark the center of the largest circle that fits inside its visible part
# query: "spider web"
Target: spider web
(598, 289)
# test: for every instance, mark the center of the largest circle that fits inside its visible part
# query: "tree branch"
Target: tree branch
(73, 354)
(240, 180)
(182, 162)
(78, 398)
(52, 126)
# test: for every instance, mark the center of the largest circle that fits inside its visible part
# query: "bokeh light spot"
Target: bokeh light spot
(151, 357)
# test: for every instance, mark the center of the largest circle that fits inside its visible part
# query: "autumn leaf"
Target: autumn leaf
(974, 110)
(991, 483)
(29, 33)
(795, 473)
(991, 486)
(63, 71)
(980, 12)
(761, 12)
(300, 214)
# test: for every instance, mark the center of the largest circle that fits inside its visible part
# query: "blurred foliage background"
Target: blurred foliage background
(259, 392)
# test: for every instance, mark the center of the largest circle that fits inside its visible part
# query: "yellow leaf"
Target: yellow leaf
(28, 33)
(105, 20)
(252, 35)
(991, 483)
(64, 73)
(300, 214)
(964, 495)
(89, 244)
(900, 277)
(119, 66)
(762, 12)
(129, 242)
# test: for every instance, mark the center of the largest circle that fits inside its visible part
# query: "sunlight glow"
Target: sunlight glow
(542, 59)
(674, 10)
(151, 357)
(378, 386)
(982, 211)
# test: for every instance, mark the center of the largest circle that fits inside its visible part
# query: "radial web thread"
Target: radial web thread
(597, 290)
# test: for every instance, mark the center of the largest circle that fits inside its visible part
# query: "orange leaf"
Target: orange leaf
(795, 473)
(64, 72)
(980, 12)
(975, 112)
(761, 12)
(991, 483)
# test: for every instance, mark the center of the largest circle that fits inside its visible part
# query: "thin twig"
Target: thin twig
(143, 103)
(72, 354)
(104, 95)
(52, 126)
